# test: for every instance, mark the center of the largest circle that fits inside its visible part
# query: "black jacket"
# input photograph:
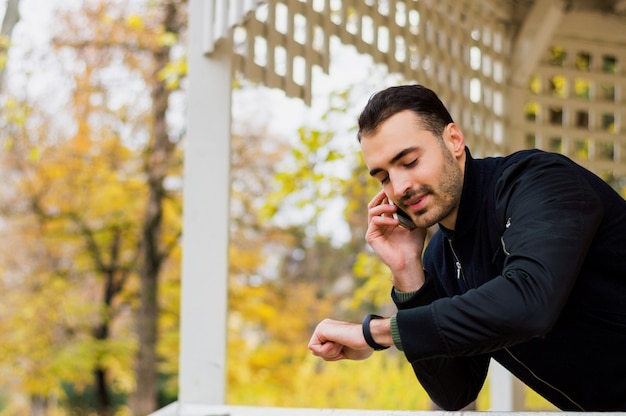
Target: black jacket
(534, 275)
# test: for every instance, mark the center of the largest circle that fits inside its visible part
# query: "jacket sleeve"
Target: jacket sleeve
(553, 214)
(451, 382)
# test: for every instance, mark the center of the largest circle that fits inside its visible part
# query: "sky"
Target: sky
(28, 54)
(36, 19)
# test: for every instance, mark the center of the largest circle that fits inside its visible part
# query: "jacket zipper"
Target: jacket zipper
(459, 269)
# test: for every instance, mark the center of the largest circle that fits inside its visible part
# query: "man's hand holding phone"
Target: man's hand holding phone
(403, 218)
(398, 247)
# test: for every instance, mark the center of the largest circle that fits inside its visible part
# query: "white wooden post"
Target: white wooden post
(202, 372)
(506, 393)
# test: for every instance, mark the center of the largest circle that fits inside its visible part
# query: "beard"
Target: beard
(444, 199)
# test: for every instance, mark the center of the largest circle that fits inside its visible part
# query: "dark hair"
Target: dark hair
(417, 98)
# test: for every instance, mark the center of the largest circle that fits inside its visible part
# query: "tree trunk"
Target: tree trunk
(11, 17)
(38, 406)
(144, 399)
(103, 398)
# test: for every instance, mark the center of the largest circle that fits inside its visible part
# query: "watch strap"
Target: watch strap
(367, 333)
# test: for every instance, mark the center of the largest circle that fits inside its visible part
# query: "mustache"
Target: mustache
(410, 194)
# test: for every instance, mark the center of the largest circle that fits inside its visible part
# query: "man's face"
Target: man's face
(418, 172)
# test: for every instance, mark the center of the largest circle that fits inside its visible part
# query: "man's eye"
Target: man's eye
(384, 180)
(411, 164)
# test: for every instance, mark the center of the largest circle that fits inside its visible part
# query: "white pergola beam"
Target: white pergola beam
(220, 16)
(534, 37)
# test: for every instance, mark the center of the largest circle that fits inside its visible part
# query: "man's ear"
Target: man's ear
(455, 139)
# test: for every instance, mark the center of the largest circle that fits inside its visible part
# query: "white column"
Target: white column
(506, 393)
(202, 372)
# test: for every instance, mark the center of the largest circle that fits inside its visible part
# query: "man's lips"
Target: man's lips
(416, 204)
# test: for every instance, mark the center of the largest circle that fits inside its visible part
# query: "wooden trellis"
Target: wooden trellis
(576, 103)
(458, 48)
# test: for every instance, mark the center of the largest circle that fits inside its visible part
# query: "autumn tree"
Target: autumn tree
(91, 207)
(143, 46)
(74, 239)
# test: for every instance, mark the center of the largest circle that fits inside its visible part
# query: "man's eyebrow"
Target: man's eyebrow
(395, 159)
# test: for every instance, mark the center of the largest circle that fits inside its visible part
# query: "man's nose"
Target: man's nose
(400, 183)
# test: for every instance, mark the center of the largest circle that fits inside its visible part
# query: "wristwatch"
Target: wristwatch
(367, 333)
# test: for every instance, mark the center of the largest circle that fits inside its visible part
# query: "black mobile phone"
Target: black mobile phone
(403, 217)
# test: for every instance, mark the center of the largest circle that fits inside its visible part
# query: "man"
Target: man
(528, 266)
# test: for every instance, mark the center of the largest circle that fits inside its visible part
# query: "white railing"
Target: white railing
(176, 409)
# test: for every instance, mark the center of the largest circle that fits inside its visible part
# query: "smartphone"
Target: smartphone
(403, 217)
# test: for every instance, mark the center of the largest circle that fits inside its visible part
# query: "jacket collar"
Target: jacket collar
(469, 207)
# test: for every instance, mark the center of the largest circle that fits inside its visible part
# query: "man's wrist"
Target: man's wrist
(377, 332)
(411, 279)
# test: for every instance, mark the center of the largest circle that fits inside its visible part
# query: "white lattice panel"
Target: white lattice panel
(461, 49)
(458, 48)
(577, 99)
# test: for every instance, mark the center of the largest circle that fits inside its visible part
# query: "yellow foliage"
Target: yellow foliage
(135, 22)
(376, 284)
(533, 402)
(168, 39)
(557, 55)
(309, 382)
(34, 155)
(172, 73)
(583, 61)
(531, 110)
(559, 86)
(582, 87)
(5, 41)
(34, 345)
(582, 151)
(107, 19)
(535, 84)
